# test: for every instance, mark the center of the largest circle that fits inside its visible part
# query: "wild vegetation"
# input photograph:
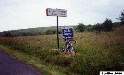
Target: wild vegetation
(96, 53)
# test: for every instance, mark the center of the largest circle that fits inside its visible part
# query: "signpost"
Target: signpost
(58, 13)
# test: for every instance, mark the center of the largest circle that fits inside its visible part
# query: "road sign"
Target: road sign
(56, 12)
(67, 33)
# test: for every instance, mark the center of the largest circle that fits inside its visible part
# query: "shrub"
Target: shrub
(80, 27)
(108, 25)
(89, 28)
(50, 32)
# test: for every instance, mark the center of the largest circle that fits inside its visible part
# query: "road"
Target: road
(11, 66)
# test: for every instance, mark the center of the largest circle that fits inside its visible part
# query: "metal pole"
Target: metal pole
(57, 34)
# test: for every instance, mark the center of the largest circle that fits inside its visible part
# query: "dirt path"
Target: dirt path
(11, 66)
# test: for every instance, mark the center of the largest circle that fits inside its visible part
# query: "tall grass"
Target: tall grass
(96, 52)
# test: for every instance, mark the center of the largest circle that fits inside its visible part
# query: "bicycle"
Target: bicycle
(68, 47)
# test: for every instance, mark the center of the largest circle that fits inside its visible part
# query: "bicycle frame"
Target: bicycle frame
(68, 46)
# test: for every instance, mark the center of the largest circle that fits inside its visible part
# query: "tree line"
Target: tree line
(107, 25)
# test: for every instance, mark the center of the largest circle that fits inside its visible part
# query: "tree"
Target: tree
(108, 25)
(122, 17)
(80, 27)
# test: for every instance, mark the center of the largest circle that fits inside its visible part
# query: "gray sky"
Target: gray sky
(22, 14)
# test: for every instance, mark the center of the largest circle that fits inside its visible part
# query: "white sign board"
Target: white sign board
(56, 12)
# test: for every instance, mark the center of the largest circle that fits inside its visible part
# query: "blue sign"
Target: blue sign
(67, 33)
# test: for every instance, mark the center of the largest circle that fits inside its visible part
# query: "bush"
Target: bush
(50, 32)
(108, 25)
(98, 27)
(80, 27)
(89, 28)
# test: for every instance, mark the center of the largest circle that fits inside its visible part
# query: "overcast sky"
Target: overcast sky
(22, 14)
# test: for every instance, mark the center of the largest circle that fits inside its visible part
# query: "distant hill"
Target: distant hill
(30, 31)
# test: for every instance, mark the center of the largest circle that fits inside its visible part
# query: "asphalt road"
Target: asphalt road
(11, 66)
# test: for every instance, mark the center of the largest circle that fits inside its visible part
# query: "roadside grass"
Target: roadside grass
(46, 69)
(96, 52)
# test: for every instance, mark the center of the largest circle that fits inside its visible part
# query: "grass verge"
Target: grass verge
(31, 60)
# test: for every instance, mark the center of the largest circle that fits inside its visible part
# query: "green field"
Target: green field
(103, 52)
